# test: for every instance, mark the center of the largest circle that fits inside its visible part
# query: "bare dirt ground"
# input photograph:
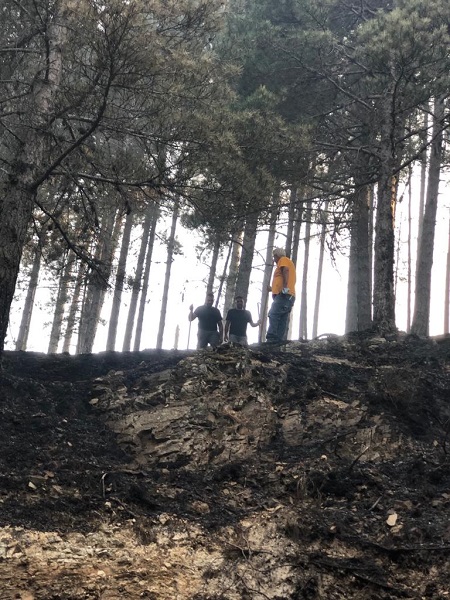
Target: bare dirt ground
(318, 470)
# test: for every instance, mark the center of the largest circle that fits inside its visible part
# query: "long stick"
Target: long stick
(189, 335)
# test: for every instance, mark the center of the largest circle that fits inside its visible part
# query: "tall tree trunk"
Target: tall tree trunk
(324, 216)
(291, 221)
(120, 278)
(447, 288)
(213, 268)
(24, 329)
(150, 216)
(359, 302)
(224, 274)
(303, 327)
(233, 269)
(383, 292)
(423, 174)
(74, 306)
(409, 273)
(298, 216)
(61, 300)
(268, 268)
(248, 248)
(421, 319)
(170, 250)
(145, 280)
(97, 283)
(17, 192)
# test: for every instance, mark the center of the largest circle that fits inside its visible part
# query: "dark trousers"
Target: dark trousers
(207, 337)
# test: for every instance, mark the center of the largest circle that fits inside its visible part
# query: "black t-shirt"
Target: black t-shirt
(238, 321)
(208, 317)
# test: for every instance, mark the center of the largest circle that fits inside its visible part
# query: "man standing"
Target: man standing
(210, 326)
(283, 294)
(236, 323)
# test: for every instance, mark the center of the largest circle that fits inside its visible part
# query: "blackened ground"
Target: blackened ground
(59, 461)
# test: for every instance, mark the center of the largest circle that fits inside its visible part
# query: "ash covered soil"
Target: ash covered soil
(314, 470)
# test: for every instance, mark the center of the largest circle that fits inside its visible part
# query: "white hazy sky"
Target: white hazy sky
(188, 287)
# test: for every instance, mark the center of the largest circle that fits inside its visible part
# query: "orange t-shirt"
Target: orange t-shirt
(277, 280)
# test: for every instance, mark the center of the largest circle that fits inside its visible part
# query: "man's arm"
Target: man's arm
(250, 320)
(285, 276)
(191, 315)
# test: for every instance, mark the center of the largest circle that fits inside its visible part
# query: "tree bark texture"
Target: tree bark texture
(447, 288)
(150, 216)
(233, 269)
(213, 268)
(268, 268)
(165, 296)
(74, 307)
(303, 325)
(145, 280)
(248, 248)
(118, 286)
(383, 292)
(97, 283)
(359, 301)
(323, 233)
(421, 319)
(17, 191)
(24, 329)
(61, 299)
(291, 221)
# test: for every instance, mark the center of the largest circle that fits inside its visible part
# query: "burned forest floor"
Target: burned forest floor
(314, 470)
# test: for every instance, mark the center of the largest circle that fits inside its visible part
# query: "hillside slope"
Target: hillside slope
(315, 470)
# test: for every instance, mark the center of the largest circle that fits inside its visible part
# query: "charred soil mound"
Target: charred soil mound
(310, 470)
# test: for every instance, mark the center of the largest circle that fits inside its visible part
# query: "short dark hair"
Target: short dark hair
(210, 294)
(239, 297)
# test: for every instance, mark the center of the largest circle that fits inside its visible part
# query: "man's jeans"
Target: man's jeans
(207, 337)
(279, 317)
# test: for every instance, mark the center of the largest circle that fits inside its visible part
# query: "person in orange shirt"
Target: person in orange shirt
(283, 294)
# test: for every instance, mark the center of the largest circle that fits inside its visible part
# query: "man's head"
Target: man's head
(239, 302)
(278, 253)
(209, 299)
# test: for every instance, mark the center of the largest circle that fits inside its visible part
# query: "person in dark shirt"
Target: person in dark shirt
(236, 323)
(210, 326)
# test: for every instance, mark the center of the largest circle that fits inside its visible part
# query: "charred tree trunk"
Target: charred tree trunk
(323, 232)
(213, 268)
(61, 300)
(145, 280)
(24, 329)
(447, 288)
(248, 247)
(118, 287)
(150, 217)
(97, 284)
(74, 307)
(291, 221)
(383, 292)
(359, 301)
(18, 190)
(233, 269)
(268, 268)
(170, 251)
(303, 327)
(409, 272)
(421, 319)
